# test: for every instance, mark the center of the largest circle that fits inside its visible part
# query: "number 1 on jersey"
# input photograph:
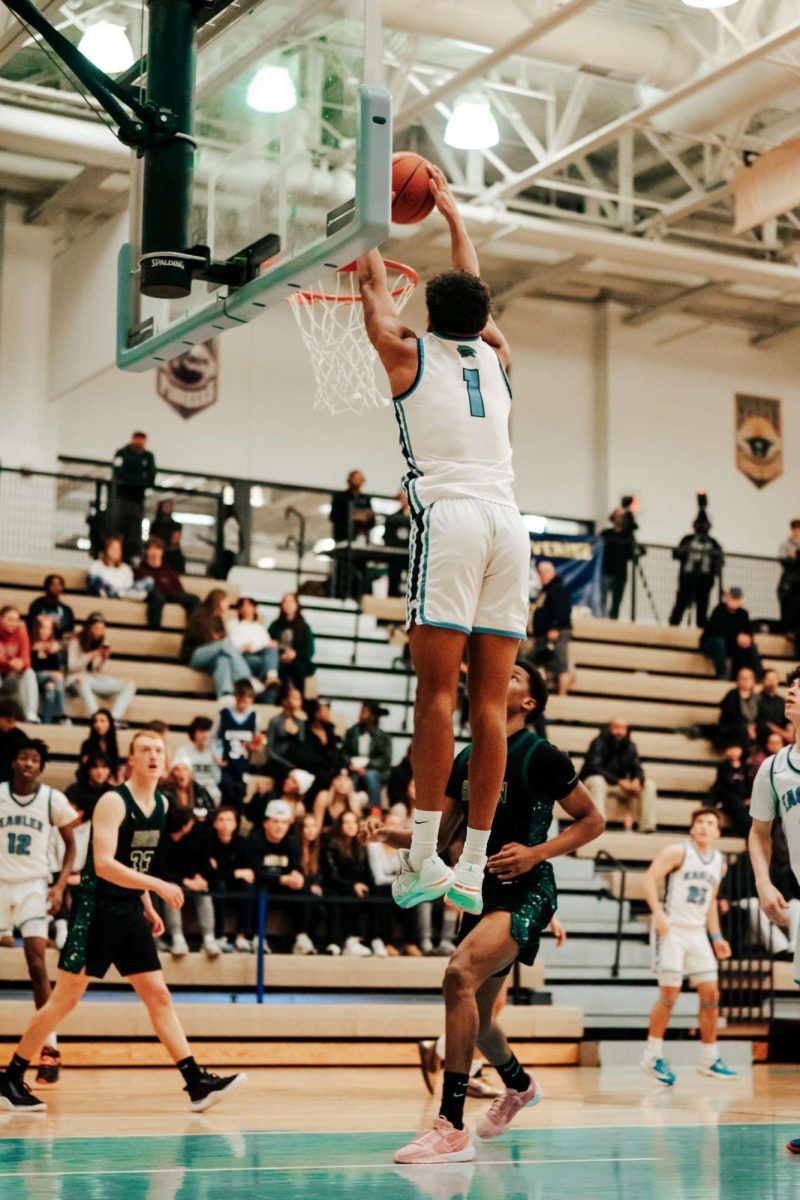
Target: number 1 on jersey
(472, 379)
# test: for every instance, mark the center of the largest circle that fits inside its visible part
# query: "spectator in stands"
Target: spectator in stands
(109, 576)
(339, 798)
(238, 733)
(308, 833)
(397, 534)
(345, 874)
(400, 785)
(87, 658)
(102, 740)
(17, 677)
(287, 729)
(276, 855)
(351, 510)
(384, 867)
(771, 715)
(552, 626)
(728, 637)
(181, 858)
(134, 471)
(51, 605)
(164, 526)
(368, 750)
(789, 584)
(619, 548)
(183, 792)
(295, 642)
(701, 560)
(612, 771)
(199, 752)
(231, 877)
(206, 646)
(731, 790)
(231, 542)
(324, 757)
(772, 744)
(48, 661)
(11, 737)
(94, 779)
(289, 791)
(249, 635)
(738, 714)
(166, 586)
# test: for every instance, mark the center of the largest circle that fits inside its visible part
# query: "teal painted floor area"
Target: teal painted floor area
(726, 1162)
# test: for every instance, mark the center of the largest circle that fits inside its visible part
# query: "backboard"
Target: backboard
(317, 174)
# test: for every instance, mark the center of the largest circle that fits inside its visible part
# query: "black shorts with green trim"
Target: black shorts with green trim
(108, 932)
(531, 913)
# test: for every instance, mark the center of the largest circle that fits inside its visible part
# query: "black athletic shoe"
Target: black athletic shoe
(429, 1063)
(210, 1089)
(49, 1066)
(18, 1097)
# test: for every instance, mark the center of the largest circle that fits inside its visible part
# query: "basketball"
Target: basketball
(410, 187)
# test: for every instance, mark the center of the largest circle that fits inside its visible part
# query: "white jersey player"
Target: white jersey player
(776, 796)
(29, 812)
(469, 552)
(686, 940)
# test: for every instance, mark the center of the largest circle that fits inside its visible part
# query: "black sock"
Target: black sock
(454, 1092)
(513, 1075)
(190, 1071)
(15, 1071)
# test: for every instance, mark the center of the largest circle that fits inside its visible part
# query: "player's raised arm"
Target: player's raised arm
(106, 821)
(662, 865)
(463, 254)
(394, 343)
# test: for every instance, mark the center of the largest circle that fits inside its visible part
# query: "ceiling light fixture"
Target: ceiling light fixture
(108, 47)
(272, 90)
(472, 125)
(710, 3)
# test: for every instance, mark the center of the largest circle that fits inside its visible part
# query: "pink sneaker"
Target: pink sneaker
(503, 1110)
(442, 1143)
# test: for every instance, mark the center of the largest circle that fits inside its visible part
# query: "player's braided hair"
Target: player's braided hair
(459, 304)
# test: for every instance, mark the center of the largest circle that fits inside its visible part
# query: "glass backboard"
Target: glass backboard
(316, 173)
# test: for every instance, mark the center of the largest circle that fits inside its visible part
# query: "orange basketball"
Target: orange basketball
(410, 184)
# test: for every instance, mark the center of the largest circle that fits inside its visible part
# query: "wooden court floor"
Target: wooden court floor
(311, 1133)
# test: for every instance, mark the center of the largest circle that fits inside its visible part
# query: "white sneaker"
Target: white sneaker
(466, 891)
(303, 945)
(62, 928)
(379, 948)
(179, 947)
(211, 946)
(333, 950)
(355, 948)
(243, 945)
(429, 883)
(445, 948)
(253, 946)
(426, 946)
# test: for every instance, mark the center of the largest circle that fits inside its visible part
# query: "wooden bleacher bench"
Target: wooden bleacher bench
(643, 847)
(601, 629)
(575, 739)
(31, 575)
(641, 714)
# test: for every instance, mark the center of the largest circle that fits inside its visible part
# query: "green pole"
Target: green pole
(167, 190)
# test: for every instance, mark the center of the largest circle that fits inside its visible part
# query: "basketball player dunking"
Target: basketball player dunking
(469, 553)
(115, 923)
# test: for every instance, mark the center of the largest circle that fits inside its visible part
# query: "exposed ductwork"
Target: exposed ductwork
(65, 139)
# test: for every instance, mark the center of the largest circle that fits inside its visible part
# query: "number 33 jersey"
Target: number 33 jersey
(26, 823)
(454, 424)
(690, 887)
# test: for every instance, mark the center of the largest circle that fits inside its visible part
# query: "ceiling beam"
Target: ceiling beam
(763, 340)
(641, 316)
(64, 198)
(539, 276)
(408, 115)
(15, 35)
(608, 133)
(686, 207)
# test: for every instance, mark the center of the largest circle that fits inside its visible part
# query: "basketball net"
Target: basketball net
(332, 326)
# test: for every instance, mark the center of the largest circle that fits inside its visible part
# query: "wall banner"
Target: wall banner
(190, 382)
(759, 438)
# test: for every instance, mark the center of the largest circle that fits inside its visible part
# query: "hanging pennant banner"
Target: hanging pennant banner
(189, 383)
(759, 438)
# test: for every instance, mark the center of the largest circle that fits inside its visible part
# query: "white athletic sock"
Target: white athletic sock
(440, 1046)
(52, 1040)
(709, 1053)
(424, 836)
(655, 1049)
(475, 845)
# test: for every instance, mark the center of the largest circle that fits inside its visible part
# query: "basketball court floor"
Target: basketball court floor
(308, 1133)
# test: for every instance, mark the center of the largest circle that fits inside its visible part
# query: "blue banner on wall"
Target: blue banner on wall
(579, 562)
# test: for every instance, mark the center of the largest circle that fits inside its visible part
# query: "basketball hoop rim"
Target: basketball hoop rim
(311, 297)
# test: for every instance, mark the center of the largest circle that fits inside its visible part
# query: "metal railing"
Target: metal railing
(605, 860)
(746, 979)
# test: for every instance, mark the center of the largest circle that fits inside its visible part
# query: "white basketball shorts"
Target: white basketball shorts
(23, 906)
(685, 951)
(469, 568)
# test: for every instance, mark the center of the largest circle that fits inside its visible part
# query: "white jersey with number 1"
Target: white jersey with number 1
(25, 826)
(690, 887)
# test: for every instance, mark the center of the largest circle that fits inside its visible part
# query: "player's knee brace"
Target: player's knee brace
(709, 1003)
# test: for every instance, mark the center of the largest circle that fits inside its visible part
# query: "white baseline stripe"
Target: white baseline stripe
(372, 1166)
